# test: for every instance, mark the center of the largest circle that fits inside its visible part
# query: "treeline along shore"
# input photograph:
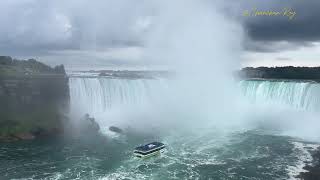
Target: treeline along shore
(288, 72)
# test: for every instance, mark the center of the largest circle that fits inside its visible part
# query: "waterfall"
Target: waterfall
(98, 95)
(299, 95)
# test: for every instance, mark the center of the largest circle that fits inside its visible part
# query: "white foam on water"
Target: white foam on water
(123, 175)
(304, 157)
(129, 170)
(57, 176)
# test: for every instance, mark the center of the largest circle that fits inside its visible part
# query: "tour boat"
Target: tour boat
(148, 150)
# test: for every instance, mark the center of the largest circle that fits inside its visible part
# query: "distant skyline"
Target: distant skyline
(111, 32)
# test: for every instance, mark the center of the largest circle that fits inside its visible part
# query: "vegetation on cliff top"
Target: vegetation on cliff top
(31, 67)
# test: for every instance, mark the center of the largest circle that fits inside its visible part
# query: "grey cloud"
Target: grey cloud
(283, 59)
(38, 26)
(302, 30)
(33, 27)
(266, 46)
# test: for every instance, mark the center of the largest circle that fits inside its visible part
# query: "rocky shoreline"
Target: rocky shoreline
(313, 171)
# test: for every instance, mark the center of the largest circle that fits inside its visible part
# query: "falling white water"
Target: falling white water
(298, 95)
(290, 107)
(99, 95)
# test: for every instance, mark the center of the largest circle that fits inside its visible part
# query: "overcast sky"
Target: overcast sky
(112, 32)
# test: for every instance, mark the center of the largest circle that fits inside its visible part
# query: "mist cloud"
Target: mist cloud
(300, 31)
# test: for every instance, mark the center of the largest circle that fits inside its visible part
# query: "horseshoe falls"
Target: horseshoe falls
(97, 95)
(272, 143)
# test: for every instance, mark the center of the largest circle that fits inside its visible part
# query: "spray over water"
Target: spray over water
(202, 47)
(290, 107)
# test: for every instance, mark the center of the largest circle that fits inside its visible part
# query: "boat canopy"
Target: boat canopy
(154, 146)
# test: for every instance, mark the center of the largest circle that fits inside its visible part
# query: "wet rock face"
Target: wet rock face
(34, 91)
(32, 101)
(24, 136)
(88, 125)
(115, 129)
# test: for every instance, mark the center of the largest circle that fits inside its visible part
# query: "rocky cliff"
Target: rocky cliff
(34, 99)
